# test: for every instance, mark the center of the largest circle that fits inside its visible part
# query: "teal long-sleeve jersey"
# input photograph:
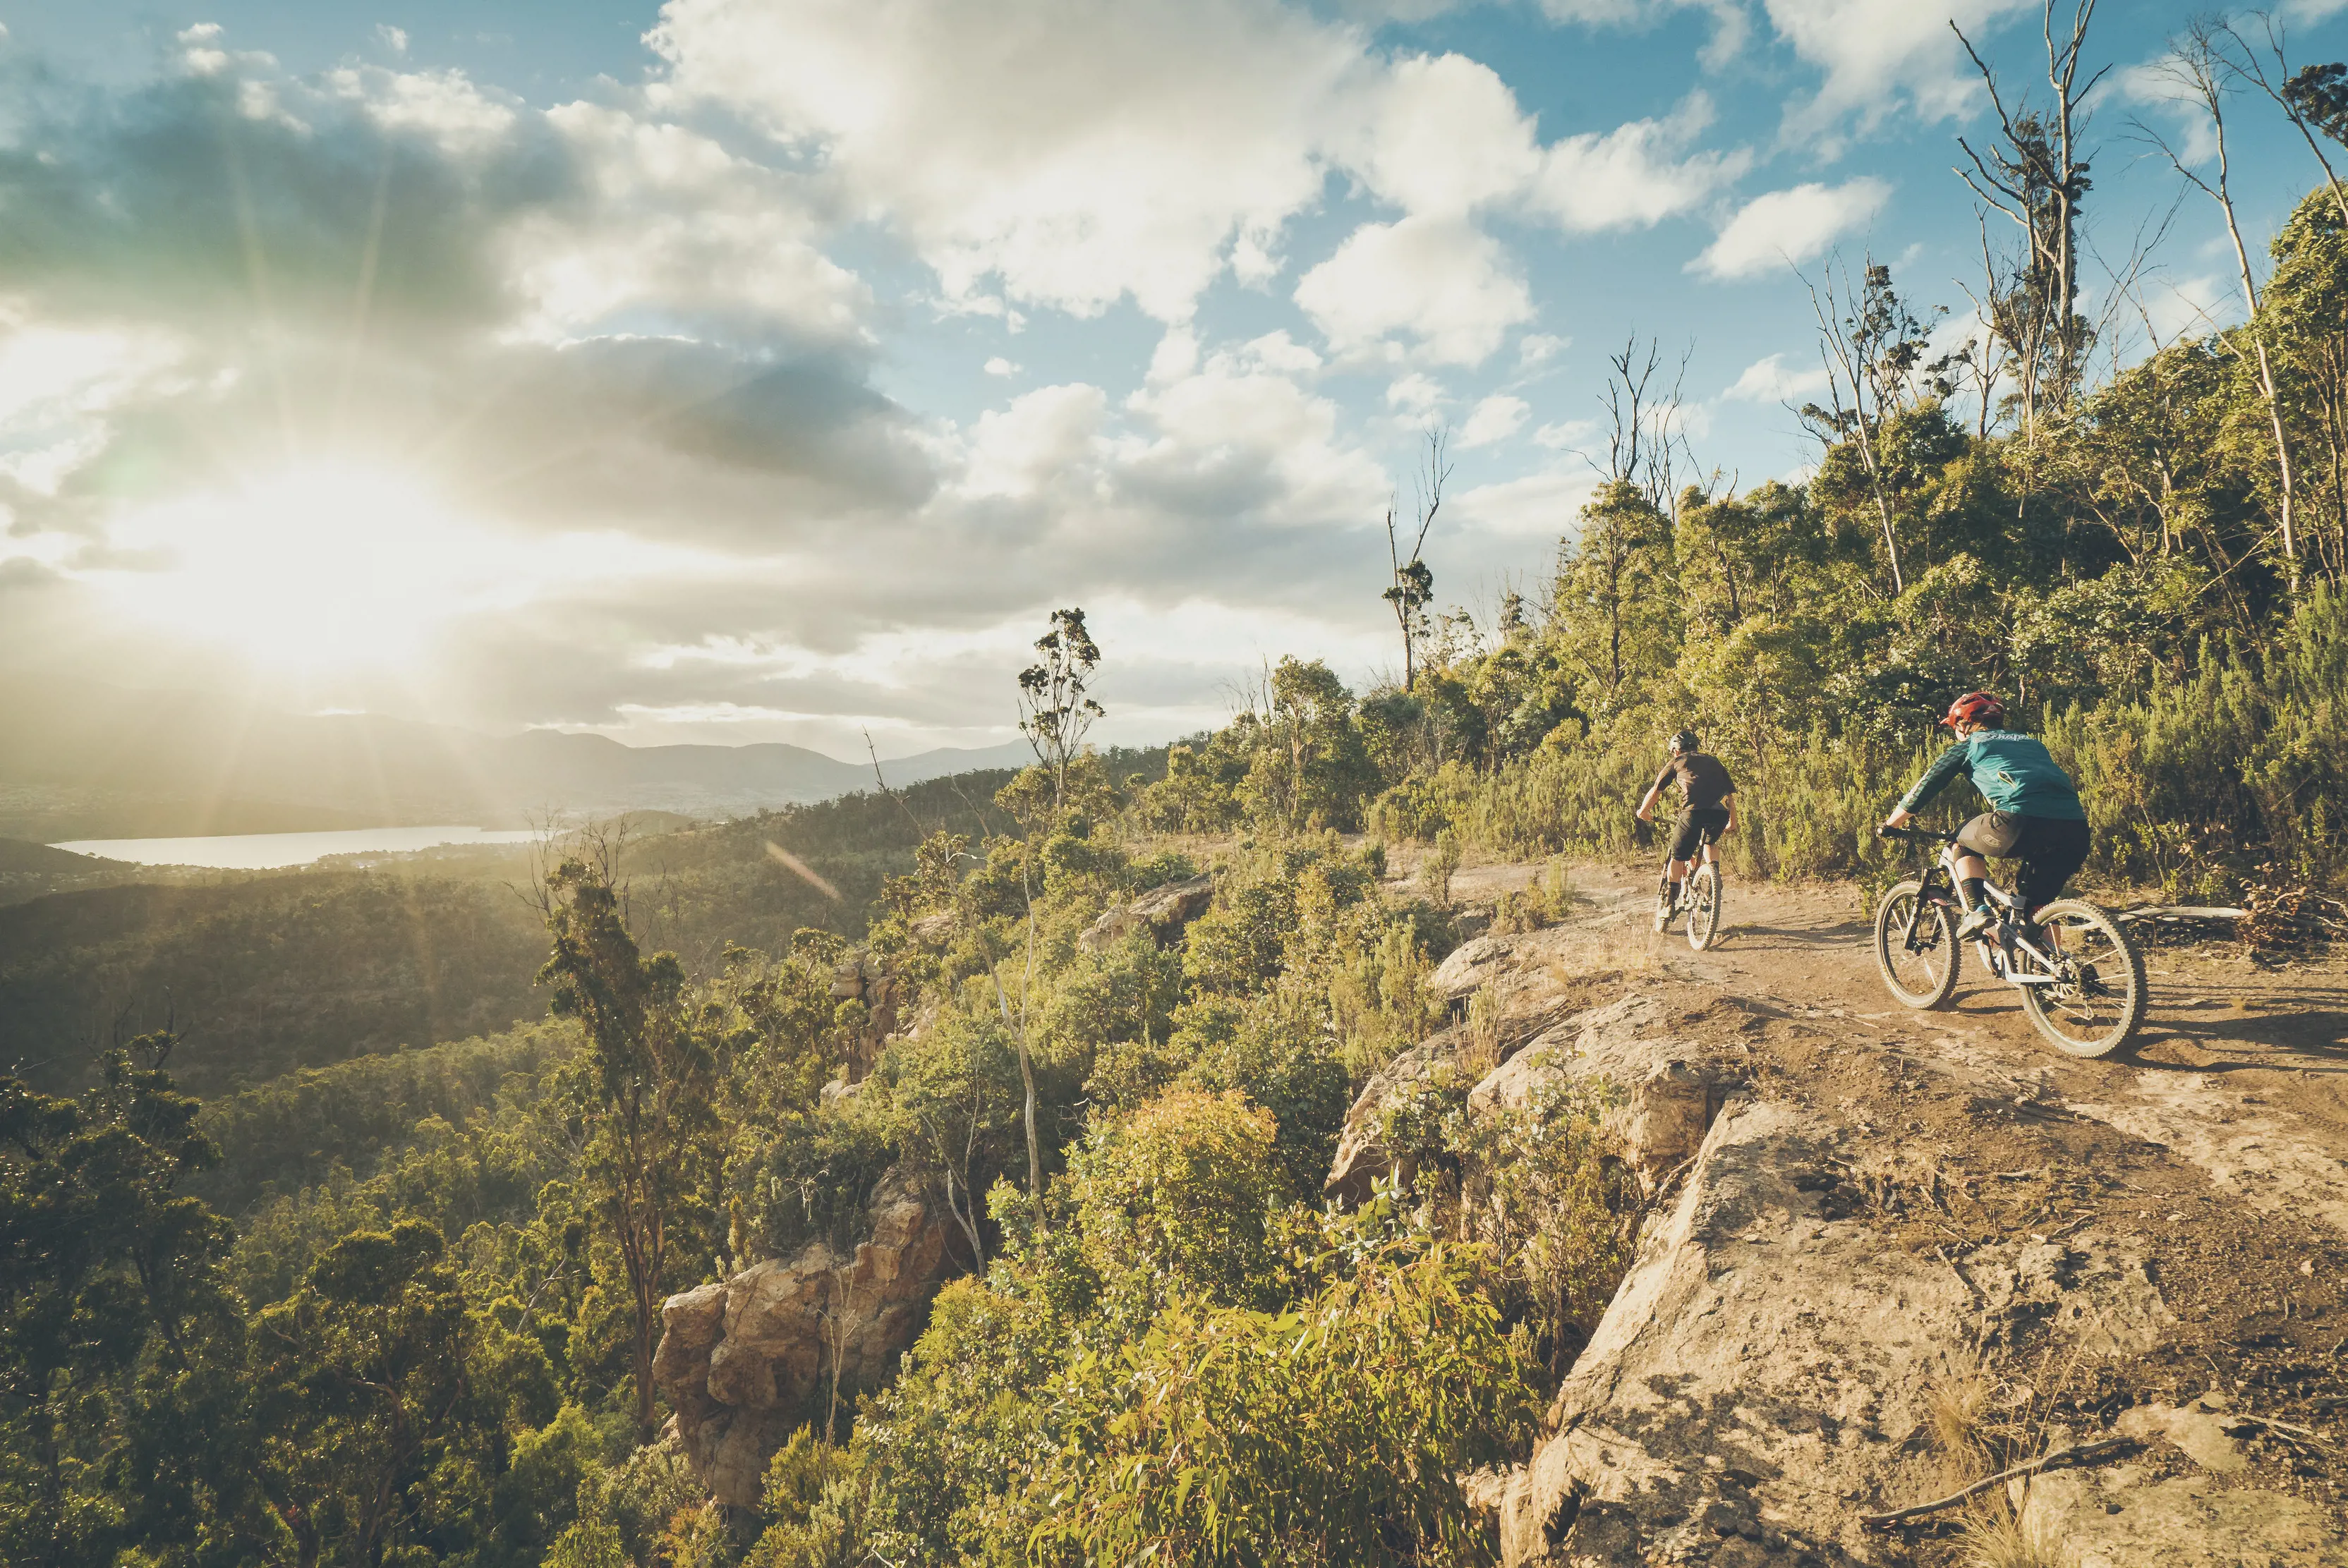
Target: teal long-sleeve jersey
(2014, 772)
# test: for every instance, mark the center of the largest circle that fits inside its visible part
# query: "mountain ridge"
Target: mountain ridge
(84, 760)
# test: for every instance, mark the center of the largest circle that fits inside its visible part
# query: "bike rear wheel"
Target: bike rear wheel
(1704, 906)
(2098, 995)
(1926, 975)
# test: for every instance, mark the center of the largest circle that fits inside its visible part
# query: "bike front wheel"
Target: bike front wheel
(2094, 996)
(1704, 906)
(1916, 947)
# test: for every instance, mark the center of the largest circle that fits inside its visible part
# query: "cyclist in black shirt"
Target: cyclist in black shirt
(1707, 802)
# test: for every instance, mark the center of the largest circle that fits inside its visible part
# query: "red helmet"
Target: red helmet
(1976, 708)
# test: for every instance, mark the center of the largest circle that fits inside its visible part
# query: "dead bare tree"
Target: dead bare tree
(2244, 56)
(1644, 442)
(1412, 583)
(2199, 67)
(2038, 177)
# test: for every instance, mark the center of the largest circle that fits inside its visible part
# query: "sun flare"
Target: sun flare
(324, 566)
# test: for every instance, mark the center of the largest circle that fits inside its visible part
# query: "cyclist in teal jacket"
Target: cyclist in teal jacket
(2034, 813)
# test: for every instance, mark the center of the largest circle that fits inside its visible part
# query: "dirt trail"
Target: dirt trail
(2217, 1148)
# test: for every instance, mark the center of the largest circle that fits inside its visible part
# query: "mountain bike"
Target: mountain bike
(2080, 974)
(1699, 895)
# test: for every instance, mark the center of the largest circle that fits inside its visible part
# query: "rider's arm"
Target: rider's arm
(1730, 802)
(1647, 806)
(1945, 767)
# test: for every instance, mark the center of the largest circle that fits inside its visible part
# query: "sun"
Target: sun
(327, 565)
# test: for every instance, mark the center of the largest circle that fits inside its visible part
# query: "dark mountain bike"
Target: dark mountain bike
(1700, 896)
(2080, 974)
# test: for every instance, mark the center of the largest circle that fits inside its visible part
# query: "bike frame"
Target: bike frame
(1705, 839)
(1998, 960)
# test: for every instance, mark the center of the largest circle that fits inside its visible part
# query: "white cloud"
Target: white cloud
(1535, 349)
(1770, 380)
(1790, 227)
(1040, 437)
(1636, 175)
(2151, 85)
(1448, 285)
(681, 227)
(1074, 155)
(1567, 434)
(394, 39)
(1495, 419)
(1416, 394)
(999, 365)
(1077, 153)
(1879, 53)
(443, 105)
(1445, 137)
(1541, 504)
(1279, 352)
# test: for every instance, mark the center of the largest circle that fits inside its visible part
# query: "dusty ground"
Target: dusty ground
(2220, 1142)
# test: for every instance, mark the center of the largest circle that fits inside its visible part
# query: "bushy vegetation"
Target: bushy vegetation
(2116, 573)
(402, 1309)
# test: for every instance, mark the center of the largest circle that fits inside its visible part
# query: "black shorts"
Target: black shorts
(1689, 831)
(2051, 849)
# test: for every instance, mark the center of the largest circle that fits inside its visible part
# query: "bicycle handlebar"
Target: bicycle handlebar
(1916, 835)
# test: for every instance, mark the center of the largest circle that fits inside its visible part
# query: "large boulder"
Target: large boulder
(1669, 1090)
(862, 978)
(1765, 1376)
(1669, 1093)
(1162, 912)
(1762, 1375)
(747, 1361)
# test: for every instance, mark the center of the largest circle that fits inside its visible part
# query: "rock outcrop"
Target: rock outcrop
(1762, 1371)
(1162, 912)
(1763, 1377)
(747, 1361)
(1670, 1094)
(859, 977)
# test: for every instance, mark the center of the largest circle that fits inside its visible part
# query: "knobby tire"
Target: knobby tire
(1922, 980)
(2097, 1024)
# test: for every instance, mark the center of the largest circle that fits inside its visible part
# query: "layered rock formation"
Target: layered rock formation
(1162, 912)
(862, 978)
(747, 1361)
(1669, 1092)
(1765, 1373)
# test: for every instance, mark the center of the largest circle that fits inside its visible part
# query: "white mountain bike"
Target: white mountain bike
(2080, 974)
(1699, 895)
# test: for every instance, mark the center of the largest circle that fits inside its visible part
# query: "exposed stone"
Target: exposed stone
(2200, 1431)
(1670, 1097)
(860, 977)
(1469, 965)
(746, 1361)
(1162, 912)
(1670, 1100)
(1362, 1156)
(1762, 1362)
(936, 931)
(2119, 1517)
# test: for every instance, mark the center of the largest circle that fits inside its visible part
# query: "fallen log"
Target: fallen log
(2077, 1454)
(2179, 912)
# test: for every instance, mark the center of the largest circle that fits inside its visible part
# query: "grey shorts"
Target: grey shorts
(2051, 849)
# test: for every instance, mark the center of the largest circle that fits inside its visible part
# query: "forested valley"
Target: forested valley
(332, 1238)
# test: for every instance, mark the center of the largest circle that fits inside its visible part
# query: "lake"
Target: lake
(269, 851)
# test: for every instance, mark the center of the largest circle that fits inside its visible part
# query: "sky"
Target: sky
(749, 369)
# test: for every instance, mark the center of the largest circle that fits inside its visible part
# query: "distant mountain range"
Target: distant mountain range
(82, 760)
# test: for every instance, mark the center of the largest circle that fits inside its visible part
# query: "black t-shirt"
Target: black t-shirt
(1703, 782)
